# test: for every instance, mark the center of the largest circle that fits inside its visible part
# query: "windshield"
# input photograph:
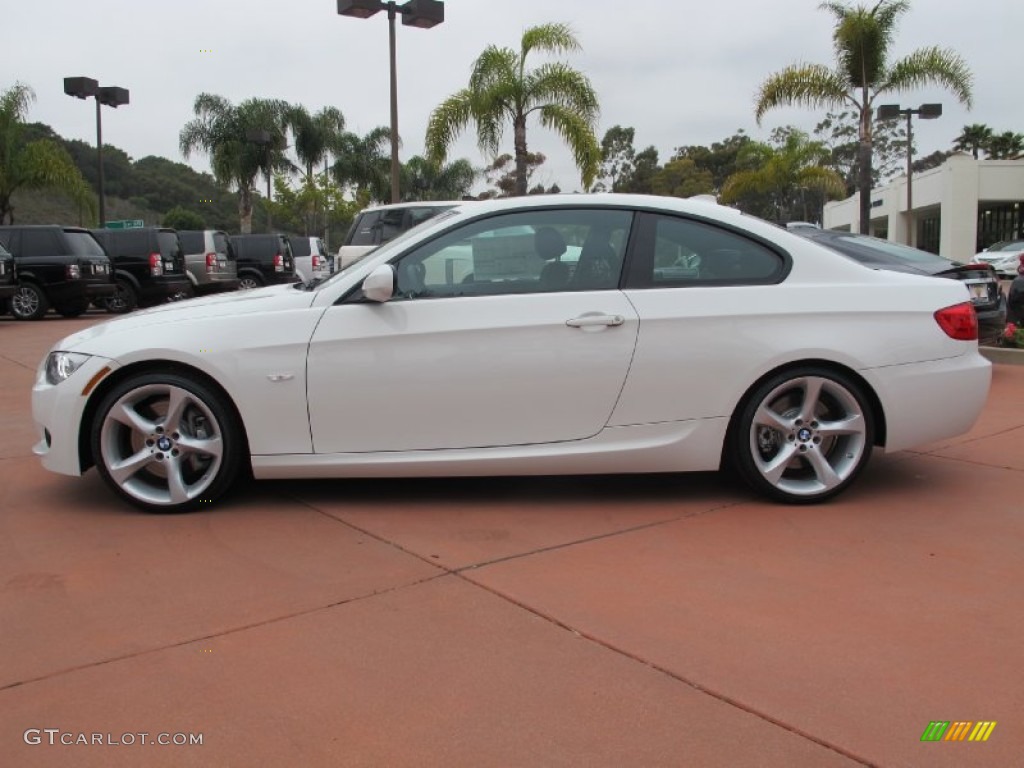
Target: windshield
(1009, 245)
(389, 246)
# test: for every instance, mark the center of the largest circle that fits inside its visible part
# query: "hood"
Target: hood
(274, 298)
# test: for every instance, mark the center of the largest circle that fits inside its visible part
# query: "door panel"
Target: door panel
(468, 371)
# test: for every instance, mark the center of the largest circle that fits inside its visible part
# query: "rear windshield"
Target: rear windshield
(83, 244)
(191, 242)
(223, 245)
(300, 245)
(169, 245)
(862, 246)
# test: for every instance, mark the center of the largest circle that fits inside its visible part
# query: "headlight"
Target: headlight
(60, 365)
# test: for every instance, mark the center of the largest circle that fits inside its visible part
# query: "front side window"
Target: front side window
(675, 252)
(528, 252)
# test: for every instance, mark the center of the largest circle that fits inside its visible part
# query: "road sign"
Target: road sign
(125, 224)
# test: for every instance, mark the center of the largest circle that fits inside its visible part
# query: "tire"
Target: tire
(125, 299)
(249, 281)
(166, 442)
(803, 435)
(71, 311)
(29, 302)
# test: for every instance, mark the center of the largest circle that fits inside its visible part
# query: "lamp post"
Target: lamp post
(415, 13)
(112, 96)
(925, 112)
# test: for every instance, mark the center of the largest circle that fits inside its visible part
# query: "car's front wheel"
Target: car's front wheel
(250, 281)
(29, 302)
(803, 435)
(167, 442)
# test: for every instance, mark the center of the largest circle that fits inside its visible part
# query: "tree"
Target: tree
(862, 40)
(362, 164)
(973, 138)
(617, 158)
(315, 139)
(37, 164)
(424, 180)
(645, 167)
(719, 159)
(182, 218)
(1005, 146)
(502, 90)
(224, 132)
(839, 132)
(682, 178)
(501, 174)
(784, 172)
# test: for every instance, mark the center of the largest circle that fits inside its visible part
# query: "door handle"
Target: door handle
(591, 320)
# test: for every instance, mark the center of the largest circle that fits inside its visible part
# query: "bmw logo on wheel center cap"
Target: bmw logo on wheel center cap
(164, 444)
(804, 435)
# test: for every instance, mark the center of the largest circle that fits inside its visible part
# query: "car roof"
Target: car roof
(417, 204)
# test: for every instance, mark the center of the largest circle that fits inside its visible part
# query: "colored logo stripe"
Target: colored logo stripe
(943, 730)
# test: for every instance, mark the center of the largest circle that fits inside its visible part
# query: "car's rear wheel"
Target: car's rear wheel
(803, 435)
(125, 298)
(247, 282)
(29, 302)
(166, 442)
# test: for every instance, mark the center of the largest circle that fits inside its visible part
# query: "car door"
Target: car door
(476, 349)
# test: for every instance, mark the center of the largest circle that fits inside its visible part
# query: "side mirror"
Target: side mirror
(379, 285)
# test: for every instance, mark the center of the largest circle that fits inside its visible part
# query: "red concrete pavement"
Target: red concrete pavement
(664, 620)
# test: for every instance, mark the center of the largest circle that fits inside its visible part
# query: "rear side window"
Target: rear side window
(39, 242)
(284, 247)
(5, 238)
(300, 245)
(83, 244)
(192, 242)
(675, 252)
(221, 244)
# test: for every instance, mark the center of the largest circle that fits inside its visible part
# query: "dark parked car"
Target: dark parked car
(7, 286)
(209, 259)
(149, 266)
(982, 281)
(263, 260)
(60, 267)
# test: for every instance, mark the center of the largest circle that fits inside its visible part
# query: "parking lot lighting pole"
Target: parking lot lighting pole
(925, 112)
(112, 96)
(415, 13)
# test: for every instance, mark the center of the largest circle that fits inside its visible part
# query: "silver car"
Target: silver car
(209, 260)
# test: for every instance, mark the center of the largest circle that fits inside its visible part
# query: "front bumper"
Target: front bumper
(57, 410)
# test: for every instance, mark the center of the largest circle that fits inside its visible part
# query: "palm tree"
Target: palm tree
(225, 132)
(424, 180)
(364, 162)
(973, 138)
(502, 90)
(784, 174)
(40, 164)
(1005, 146)
(862, 39)
(316, 138)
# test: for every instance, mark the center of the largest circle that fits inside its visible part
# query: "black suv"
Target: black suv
(263, 260)
(62, 267)
(7, 287)
(149, 266)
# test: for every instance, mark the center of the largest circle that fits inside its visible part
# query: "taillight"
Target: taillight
(73, 271)
(156, 265)
(278, 263)
(211, 262)
(316, 262)
(959, 321)
(1020, 267)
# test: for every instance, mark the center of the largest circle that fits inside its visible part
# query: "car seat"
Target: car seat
(549, 246)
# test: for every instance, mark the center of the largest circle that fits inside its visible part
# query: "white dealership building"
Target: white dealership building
(959, 208)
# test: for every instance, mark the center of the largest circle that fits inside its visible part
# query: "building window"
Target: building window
(928, 226)
(999, 221)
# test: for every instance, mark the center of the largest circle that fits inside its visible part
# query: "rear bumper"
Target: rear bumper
(78, 291)
(164, 288)
(930, 401)
(217, 285)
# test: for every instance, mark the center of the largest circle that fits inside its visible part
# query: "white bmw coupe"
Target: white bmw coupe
(534, 336)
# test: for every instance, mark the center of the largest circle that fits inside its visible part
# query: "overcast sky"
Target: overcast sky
(679, 72)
